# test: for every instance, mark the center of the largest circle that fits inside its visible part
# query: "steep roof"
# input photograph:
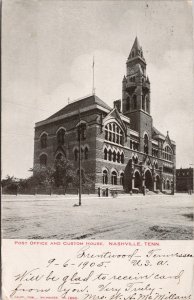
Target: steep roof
(156, 132)
(82, 103)
(136, 44)
(136, 51)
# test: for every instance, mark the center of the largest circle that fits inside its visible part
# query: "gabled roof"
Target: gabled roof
(79, 104)
(156, 132)
(114, 114)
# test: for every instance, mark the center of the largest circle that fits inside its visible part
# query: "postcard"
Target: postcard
(97, 150)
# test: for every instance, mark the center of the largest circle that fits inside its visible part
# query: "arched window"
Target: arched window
(59, 156)
(147, 104)
(164, 185)
(82, 153)
(118, 157)
(105, 154)
(114, 156)
(109, 155)
(146, 144)
(122, 158)
(76, 154)
(114, 134)
(106, 132)
(86, 153)
(43, 140)
(61, 137)
(43, 160)
(105, 177)
(114, 178)
(136, 160)
(135, 102)
(122, 179)
(168, 185)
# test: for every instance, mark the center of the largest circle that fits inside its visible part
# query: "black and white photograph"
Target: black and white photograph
(97, 120)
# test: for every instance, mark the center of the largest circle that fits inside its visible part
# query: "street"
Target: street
(126, 217)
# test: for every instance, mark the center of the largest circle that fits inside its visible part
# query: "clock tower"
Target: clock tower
(136, 93)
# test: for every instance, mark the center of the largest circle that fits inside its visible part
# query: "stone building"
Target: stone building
(119, 145)
(184, 180)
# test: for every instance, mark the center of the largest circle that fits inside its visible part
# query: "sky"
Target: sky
(47, 53)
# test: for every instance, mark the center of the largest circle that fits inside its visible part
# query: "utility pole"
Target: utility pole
(93, 88)
(173, 180)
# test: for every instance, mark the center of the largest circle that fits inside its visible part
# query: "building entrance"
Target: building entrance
(148, 180)
(137, 182)
(157, 182)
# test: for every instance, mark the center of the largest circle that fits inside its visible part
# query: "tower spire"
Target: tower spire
(136, 50)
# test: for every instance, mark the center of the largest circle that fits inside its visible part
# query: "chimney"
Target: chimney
(117, 104)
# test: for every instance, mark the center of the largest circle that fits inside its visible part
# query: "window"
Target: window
(76, 154)
(114, 156)
(61, 137)
(135, 102)
(82, 131)
(59, 156)
(114, 178)
(109, 155)
(168, 185)
(118, 157)
(154, 152)
(105, 177)
(105, 154)
(114, 134)
(86, 153)
(122, 179)
(146, 144)
(106, 133)
(82, 153)
(147, 104)
(43, 140)
(164, 185)
(122, 158)
(167, 154)
(43, 160)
